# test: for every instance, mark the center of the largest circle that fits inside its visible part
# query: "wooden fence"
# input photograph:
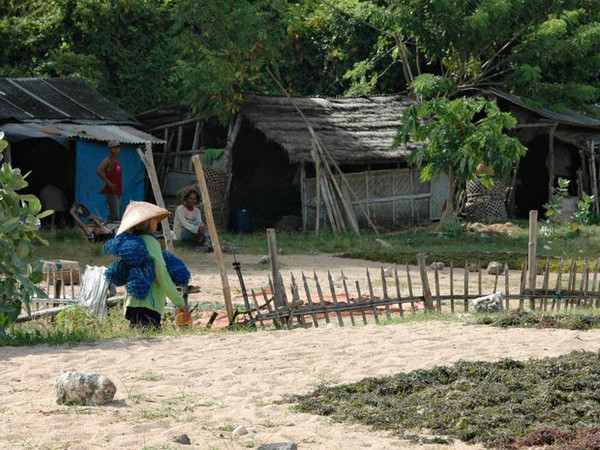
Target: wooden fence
(400, 290)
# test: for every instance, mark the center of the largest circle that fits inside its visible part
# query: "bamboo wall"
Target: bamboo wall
(391, 197)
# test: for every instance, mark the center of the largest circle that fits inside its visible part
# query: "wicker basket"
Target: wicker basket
(485, 204)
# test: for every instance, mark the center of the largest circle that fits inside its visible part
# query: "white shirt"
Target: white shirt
(184, 218)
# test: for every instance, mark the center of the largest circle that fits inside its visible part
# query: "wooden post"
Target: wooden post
(148, 161)
(277, 280)
(425, 282)
(213, 235)
(531, 255)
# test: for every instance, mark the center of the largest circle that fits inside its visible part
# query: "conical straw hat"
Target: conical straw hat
(138, 212)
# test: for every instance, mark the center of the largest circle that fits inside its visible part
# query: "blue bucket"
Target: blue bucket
(242, 221)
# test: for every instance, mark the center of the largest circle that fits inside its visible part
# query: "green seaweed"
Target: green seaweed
(494, 403)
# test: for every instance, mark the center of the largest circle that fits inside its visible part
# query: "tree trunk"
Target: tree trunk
(449, 216)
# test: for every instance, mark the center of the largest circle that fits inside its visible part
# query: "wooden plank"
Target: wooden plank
(522, 285)
(279, 292)
(437, 288)
(360, 299)
(321, 299)
(585, 276)
(372, 296)
(347, 297)
(385, 294)
(213, 235)
(398, 293)
(410, 290)
(334, 298)
(309, 299)
(545, 281)
(425, 282)
(558, 287)
(148, 161)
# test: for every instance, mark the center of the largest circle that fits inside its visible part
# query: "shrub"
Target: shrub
(19, 222)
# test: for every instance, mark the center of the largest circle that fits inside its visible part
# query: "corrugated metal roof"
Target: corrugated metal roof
(104, 133)
(569, 117)
(25, 99)
(125, 134)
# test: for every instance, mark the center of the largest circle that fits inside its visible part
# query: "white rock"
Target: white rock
(388, 272)
(489, 303)
(265, 260)
(84, 388)
(495, 268)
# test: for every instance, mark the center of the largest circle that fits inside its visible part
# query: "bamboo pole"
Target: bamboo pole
(148, 161)
(214, 237)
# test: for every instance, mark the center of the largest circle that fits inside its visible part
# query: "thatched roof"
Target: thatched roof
(354, 130)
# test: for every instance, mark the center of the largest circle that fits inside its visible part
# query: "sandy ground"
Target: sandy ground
(207, 385)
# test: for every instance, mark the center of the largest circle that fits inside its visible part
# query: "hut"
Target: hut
(266, 168)
(564, 145)
(58, 129)
(273, 172)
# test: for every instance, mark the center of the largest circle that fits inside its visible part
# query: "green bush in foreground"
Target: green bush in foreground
(492, 403)
(19, 222)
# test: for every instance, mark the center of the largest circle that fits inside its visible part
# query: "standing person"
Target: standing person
(110, 172)
(188, 224)
(148, 273)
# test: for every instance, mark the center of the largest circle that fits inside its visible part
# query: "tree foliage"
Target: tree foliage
(458, 136)
(19, 222)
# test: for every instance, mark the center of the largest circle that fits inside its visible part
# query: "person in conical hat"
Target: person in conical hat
(141, 253)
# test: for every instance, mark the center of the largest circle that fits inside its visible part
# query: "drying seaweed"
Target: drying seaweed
(530, 319)
(492, 403)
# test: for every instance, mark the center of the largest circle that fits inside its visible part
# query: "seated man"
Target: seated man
(188, 224)
(99, 233)
(53, 198)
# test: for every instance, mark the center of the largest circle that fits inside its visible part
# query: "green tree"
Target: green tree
(19, 222)
(223, 50)
(544, 50)
(457, 136)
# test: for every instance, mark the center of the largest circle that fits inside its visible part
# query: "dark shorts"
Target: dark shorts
(142, 318)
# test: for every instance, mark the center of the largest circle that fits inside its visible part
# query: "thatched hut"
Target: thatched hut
(273, 172)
